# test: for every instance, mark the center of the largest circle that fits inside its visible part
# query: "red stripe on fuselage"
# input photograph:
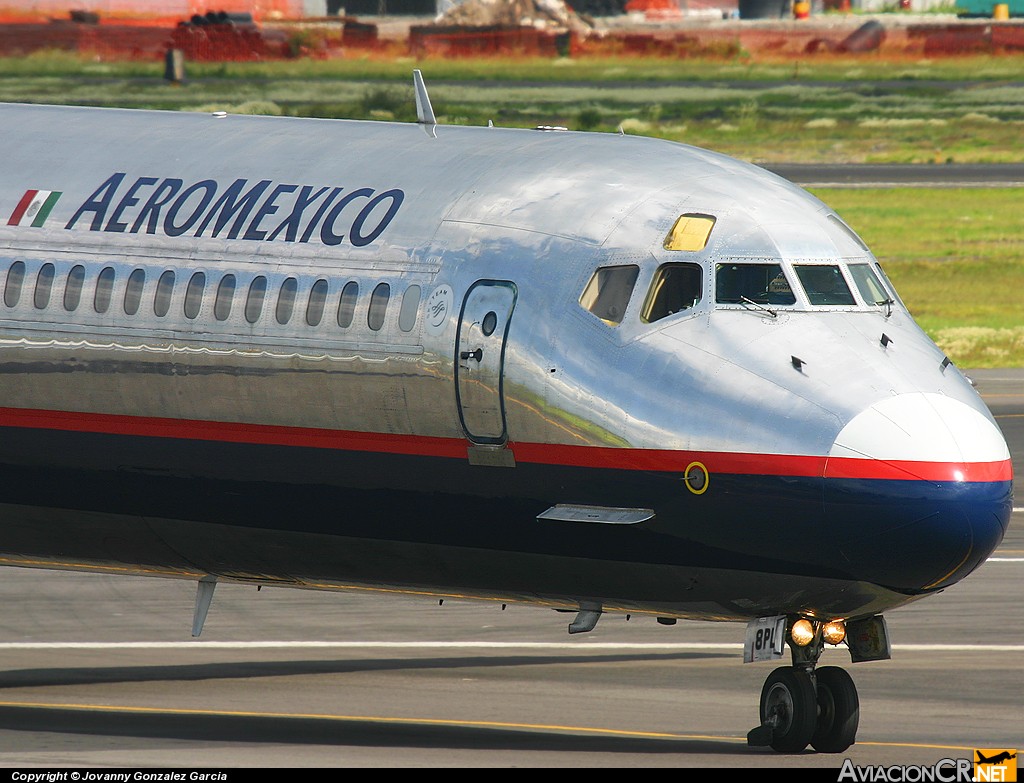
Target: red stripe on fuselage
(231, 432)
(617, 458)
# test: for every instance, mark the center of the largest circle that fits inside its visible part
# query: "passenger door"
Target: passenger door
(480, 359)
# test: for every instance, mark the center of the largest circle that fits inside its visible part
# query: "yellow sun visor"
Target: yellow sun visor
(690, 232)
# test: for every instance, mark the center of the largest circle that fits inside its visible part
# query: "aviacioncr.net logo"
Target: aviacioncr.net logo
(995, 765)
(943, 771)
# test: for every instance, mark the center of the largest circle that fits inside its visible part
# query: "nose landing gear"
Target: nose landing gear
(802, 706)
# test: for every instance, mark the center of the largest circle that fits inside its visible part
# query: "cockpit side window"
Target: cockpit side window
(888, 284)
(676, 287)
(752, 284)
(824, 284)
(868, 284)
(608, 292)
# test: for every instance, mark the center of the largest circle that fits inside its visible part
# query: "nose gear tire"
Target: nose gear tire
(789, 705)
(838, 711)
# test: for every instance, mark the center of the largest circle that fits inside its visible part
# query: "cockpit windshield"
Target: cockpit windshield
(824, 284)
(678, 287)
(870, 287)
(752, 284)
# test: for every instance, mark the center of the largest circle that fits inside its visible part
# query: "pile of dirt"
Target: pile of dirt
(552, 15)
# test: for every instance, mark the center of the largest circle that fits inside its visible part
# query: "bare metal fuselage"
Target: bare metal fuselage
(421, 401)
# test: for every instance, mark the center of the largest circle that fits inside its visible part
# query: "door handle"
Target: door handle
(478, 354)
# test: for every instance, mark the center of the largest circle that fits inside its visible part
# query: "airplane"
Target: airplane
(592, 372)
(996, 759)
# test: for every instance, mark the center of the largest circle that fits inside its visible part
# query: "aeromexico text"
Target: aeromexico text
(262, 211)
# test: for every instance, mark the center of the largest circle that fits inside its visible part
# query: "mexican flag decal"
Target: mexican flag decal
(34, 208)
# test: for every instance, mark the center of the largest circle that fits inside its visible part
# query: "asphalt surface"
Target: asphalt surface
(979, 175)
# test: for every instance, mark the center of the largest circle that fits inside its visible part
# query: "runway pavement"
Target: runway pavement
(886, 175)
(101, 671)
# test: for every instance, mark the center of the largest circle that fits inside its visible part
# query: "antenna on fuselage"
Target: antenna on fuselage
(424, 111)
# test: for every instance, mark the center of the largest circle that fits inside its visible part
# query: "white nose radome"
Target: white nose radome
(924, 484)
(922, 427)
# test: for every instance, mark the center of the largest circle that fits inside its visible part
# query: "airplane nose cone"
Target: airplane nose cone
(920, 485)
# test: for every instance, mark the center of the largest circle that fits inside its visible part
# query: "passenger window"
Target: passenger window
(378, 306)
(104, 290)
(608, 292)
(286, 300)
(824, 284)
(225, 295)
(676, 287)
(254, 302)
(44, 284)
(73, 287)
(317, 301)
(752, 284)
(410, 308)
(194, 295)
(347, 305)
(871, 289)
(133, 291)
(15, 278)
(162, 297)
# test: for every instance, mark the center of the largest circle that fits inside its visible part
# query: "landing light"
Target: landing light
(802, 633)
(834, 632)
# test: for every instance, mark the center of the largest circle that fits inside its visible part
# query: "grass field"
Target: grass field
(954, 255)
(966, 109)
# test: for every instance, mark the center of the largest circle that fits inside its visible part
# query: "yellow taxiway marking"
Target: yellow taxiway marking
(476, 724)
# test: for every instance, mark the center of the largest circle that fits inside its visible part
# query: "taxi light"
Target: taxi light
(802, 633)
(834, 632)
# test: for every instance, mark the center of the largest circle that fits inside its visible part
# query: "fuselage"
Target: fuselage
(571, 369)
